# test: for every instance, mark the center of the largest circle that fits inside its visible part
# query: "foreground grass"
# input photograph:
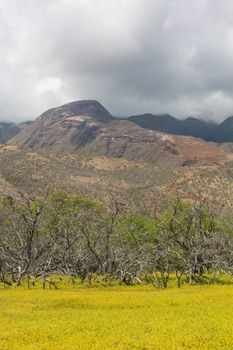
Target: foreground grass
(117, 318)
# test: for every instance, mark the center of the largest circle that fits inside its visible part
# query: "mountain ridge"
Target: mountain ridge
(166, 123)
(88, 127)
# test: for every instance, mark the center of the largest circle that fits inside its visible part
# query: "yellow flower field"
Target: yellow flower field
(121, 318)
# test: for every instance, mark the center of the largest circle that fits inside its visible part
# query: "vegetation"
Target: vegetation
(94, 275)
(76, 237)
(123, 318)
(141, 187)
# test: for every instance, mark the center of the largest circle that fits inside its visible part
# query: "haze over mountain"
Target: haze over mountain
(88, 127)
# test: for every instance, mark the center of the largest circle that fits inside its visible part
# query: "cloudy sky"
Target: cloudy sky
(134, 56)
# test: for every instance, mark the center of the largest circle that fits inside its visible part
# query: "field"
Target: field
(117, 318)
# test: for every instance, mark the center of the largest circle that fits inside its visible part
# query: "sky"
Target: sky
(134, 56)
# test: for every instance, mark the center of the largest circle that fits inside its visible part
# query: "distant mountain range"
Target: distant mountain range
(208, 131)
(88, 127)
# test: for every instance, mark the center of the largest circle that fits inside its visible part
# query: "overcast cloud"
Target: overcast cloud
(134, 56)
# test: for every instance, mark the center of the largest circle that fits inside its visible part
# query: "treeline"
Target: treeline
(76, 237)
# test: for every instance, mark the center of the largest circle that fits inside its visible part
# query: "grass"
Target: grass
(123, 318)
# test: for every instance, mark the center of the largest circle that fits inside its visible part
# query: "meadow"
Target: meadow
(119, 318)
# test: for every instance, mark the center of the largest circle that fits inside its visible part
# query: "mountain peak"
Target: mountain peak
(87, 108)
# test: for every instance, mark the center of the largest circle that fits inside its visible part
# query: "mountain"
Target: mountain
(74, 125)
(164, 122)
(23, 125)
(209, 131)
(88, 127)
(7, 131)
(89, 109)
(65, 128)
(223, 132)
(197, 128)
(168, 124)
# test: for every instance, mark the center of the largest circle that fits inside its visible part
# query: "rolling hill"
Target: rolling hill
(137, 186)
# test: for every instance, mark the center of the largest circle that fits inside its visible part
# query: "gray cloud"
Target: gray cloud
(173, 56)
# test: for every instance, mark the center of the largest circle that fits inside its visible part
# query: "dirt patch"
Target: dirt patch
(85, 180)
(109, 164)
(11, 148)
